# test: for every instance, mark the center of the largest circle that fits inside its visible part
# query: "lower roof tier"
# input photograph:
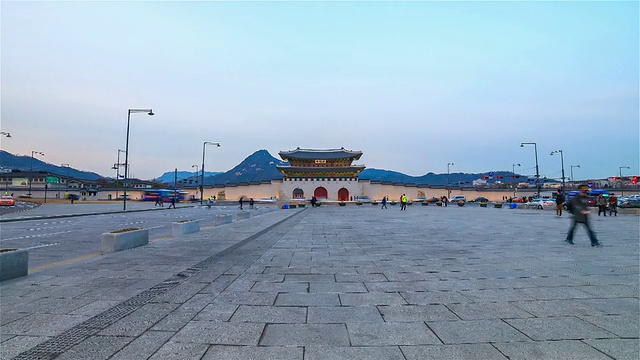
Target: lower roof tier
(320, 172)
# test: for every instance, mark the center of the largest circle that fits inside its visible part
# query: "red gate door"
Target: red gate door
(343, 195)
(320, 193)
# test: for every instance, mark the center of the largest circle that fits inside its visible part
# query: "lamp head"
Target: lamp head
(521, 145)
(151, 113)
(8, 135)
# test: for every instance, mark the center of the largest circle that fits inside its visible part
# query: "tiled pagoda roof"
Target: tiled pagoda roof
(326, 154)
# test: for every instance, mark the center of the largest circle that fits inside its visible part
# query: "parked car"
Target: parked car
(480, 199)
(631, 203)
(75, 197)
(7, 201)
(458, 198)
(542, 203)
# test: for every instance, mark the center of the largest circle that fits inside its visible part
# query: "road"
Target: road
(55, 241)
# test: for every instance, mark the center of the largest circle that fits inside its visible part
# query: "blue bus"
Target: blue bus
(164, 194)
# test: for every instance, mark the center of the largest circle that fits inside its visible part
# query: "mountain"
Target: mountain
(23, 163)
(168, 177)
(257, 167)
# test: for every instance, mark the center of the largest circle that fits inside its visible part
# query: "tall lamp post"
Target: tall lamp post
(535, 146)
(573, 166)
(513, 171)
(116, 167)
(204, 146)
(620, 170)
(562, 161)
(31, 172)
(67, 173)
(448, 179)
(126, 151)
(196, 166)
(5, 133)
(6, 189)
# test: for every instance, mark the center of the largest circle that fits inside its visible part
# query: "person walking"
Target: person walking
(403, 202)
(602, 205)
(158, 201)
(579, 207)
(240, 202)
(251, 203)
(613, 205)
(313, 201)
(559, 203)
(173, 202)
(445, 200)
(384, 202)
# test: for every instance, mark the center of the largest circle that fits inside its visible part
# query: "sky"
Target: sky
(413, 85)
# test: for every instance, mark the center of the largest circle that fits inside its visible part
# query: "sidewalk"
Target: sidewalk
(343, 283)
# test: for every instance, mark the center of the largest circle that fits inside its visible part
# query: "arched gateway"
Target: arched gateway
(298, 193)
(343, 194)
(320, 193)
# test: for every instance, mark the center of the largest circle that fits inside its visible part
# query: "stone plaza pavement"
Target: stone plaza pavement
(353, 282)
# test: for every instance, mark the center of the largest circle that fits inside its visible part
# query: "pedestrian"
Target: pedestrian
(403, 202)
(251, 203)
(613, 205)
(579, 207)
(158, 201)
(313, 201)
(602, 205)
(445, 200)
(173, 202)
(384, 202)
(559, 203)
(240, 202)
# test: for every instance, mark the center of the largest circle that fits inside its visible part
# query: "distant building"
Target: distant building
(326, 174)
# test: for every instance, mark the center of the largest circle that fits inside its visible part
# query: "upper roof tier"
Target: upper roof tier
(324, 154)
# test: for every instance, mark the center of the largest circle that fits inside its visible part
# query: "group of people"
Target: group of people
(605, 204)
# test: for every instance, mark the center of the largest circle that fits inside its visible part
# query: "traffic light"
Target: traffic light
(634, 180)
(499, 176)
(516, 176)
(614, 178)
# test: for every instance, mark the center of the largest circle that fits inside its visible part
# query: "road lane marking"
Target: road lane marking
(35, 236)
(63, 262)
(39, 246)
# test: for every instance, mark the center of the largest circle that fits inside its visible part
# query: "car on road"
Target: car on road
(542, 203)
(630, 203)
(457, 199)
(480, 199)
(73, 197)
(7, 201)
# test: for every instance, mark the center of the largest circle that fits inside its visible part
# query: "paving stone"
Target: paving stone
(285, 287)
(326, 287)
(496, 295)
(344, 314)
(219, 352)
(611, 291)
(220, 333)
(305, 335)
(270, 314)
(367, 334)
(372, 299)
(139, 321)
(558, 328)
(457, 352)
(96, 347)
(307, 299)
(615, 306)
(488, 310)
(551, 293)
(246, 298)
(475, 331)
(560, 350)
(216, 312)
(18, 344)
(309, 278)
(619, 349)
(552, 308)
(353, 353)
(397, 286)
(622, 325)
(175, 320)
(180, 351)
(42, 324)
(95, 307)
(143, 346)
(435, 297)
(416, 313)
(360, 278)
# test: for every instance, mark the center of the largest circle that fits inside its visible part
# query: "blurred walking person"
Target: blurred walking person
(579, 207)
(613, 205)
(602, 205)
(384, 202)
(559, 203)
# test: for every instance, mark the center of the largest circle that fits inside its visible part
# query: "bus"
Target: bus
(164, 194)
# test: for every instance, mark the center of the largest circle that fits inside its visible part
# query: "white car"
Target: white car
(457, 198)
(542, 204)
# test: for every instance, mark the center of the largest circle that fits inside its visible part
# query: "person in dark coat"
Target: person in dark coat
(240, 201)
(579, 207)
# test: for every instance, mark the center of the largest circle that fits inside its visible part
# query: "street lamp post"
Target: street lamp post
(448, 179)
(126, 152)
(572, 178)
(31, 172)
(116, 167)
(515, 183)
(562, 162)
(196, 166)
(5, 133)
(204, 146)
(620, 171)
(535, 146)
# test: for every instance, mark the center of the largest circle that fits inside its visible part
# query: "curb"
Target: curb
(85, 214)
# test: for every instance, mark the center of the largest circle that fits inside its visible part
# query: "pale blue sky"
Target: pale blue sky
(412, 85)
